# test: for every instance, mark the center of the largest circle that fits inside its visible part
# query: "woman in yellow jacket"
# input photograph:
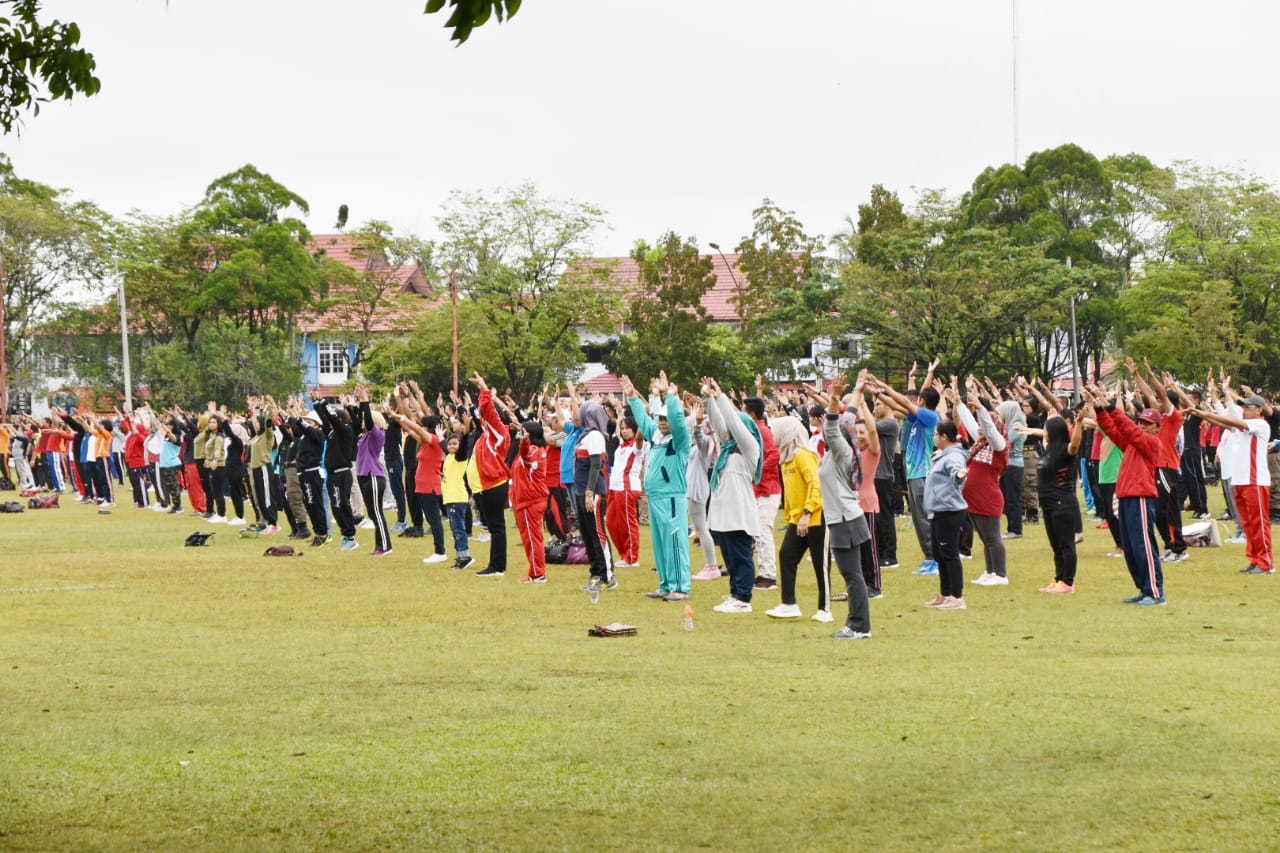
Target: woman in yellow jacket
(802, 508)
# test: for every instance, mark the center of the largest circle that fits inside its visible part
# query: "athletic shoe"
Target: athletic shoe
(1238, 540)
(1258, 570)
(1058, 588)
(378, 552)
(847, 633)
(216, 519)
(348, 544)
(873, 594)
(785, 611)
(936, 600)
(594, 585)
(710, 573)
(1176, 557)
(237, 522)
(674, 595)
(1201, 516)
(1102, 525)
(890, 565)
(1115, 553)
(304, 533)
(482, 536)
(412, 532)
(623, 564)
(1011, 535)
(174, 511)
(613, 584)
(997, 580)
(1079, 538)
(367, 524)
(1167, 556)
(966, 556)
(840, 596)
(489, 573)
(733, 605)
(765, 583)
(952, 603)
(434, 558)
(154, 507)
(656, 594)
(533, 579)
(270, 530)
(928, 567)
(823, 616)
(465, 562)
(1248, 570)
(1150, 601)
(1135, 599)
(319, 539)
(982, 579)
(399, 527)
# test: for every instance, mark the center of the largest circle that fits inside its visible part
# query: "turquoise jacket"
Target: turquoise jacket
(664, 473)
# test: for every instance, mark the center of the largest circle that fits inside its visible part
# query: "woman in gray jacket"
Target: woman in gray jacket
(732, 514)
(840, 474)
(945, 506)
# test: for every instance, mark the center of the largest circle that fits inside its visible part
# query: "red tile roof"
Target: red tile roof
(412, 293)
(605, 383)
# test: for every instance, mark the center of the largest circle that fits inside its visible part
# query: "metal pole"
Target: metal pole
(1014, 9)
(124, 339)
(453, 295)
(1075, 363)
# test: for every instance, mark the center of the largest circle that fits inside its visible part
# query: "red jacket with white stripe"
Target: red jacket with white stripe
(490, 450)
(1137, 478)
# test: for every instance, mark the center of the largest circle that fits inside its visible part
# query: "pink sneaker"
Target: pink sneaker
(1059, 588)
(936, 601)
(952, 604)
(270, 530)
(710, 573)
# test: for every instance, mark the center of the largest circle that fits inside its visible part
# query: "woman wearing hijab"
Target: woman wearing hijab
(841, 475)
(802, 510)
(1056, 485)
(988, 460)
(1015, 421)
(590, 491)
(732, 515)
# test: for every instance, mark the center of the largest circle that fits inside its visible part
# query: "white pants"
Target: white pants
(766, 551)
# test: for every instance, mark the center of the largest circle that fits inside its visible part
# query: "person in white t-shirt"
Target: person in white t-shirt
(1245, 462)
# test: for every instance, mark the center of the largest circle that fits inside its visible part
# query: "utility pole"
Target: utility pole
(453, 295)
(4, 349)
(124, 339)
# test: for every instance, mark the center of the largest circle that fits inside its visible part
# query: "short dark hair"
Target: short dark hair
(754, 406)
(930, 397)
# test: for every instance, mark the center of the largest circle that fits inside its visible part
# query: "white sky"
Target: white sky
(670, 114)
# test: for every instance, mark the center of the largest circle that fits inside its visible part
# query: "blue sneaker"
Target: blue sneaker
(1135, 599)
(928, 567)
(1149, 601)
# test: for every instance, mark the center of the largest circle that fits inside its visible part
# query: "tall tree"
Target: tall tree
(788, 300)
(52, 247)
(520, 258)
(667, 324)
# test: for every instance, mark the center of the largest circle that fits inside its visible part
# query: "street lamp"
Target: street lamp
(124, 338)
(737, 285)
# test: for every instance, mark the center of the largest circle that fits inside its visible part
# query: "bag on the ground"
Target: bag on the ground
(6, 485)
(281, 551)
(44, 502)
(195, 540)
(570, 551)
(11, 506)
(617, 629)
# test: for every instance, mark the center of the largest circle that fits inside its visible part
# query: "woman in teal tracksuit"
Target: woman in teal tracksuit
(665, 486)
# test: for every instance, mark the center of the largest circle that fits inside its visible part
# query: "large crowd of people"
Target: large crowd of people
(717, 467)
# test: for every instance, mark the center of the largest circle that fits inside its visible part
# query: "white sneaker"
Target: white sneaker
(435, 558)
(823, 616)
(159, 508)
(785, 611)
(996, 580)
(236, 522)
(983, 579)
(733, 605)
(1237, 540)
(216, 519)
(367, 524)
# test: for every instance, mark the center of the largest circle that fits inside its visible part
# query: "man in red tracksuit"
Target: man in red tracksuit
(1136, 490)
(1168, 466)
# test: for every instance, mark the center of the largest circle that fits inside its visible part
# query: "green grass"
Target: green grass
(163, 697)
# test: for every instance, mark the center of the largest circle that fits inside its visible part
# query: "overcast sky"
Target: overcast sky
(670, 114)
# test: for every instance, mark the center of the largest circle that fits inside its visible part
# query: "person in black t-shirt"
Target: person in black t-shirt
(1056, 484)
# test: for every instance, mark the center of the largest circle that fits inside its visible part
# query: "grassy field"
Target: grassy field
(162, 697)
